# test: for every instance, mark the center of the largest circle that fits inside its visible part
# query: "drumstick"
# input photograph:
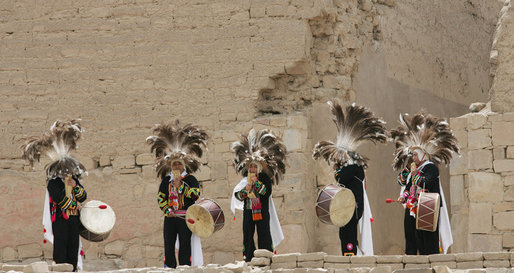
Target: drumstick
(388, 201)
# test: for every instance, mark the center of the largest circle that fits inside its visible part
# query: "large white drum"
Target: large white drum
(335, 205)
(97, 219)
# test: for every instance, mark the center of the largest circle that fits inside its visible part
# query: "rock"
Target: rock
(260, 261)
(37, 267)
(61, 267)
(477, 106)
(262, 253)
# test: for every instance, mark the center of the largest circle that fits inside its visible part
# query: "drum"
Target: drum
(335, 205)
(97, 220)
(204, 218)
(428, 211)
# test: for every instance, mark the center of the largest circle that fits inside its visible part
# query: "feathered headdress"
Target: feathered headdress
(432, 134)
(175, 143)
(355, 124)
(263, 148)
(57, 143)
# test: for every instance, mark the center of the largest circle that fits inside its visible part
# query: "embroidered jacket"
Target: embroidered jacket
(179, 199)
(61, 205)
(262, 190)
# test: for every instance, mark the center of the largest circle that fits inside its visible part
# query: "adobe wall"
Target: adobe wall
(227, 66)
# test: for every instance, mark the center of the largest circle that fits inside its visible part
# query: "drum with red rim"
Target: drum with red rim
(428, 211)
(335, 205)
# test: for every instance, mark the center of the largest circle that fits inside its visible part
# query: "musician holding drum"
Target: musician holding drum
(64, 191)
(423, 139)
(177, 150)
(355, 124)
(260, 158)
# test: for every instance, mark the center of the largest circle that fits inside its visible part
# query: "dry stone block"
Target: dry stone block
(262, 253)
(476, 120)
(317, 270)
(476, 270)
(459, 123)
(504, 220)
(275, 265)
(363, 259)
(457, 190)
(311, 264)
(459, 164)
(238, 267)
(502, 133)
(412, 266)
(478, 139)
(389, 259)
(382, 269)
(126, 161)
(62, 267)
(496, 255)
(484, 187)
(105, 160)
(337, 259)
(485, 242)
(281, 270)
(415, 270)
(37, 267)
(29, 251)
(293, 140)
(336, 265)
(315, 256)
(510, 152)
(480, 159)
(480, 217)
(441, 269)
(503, 165)
(497, 263)
(14, 267)
(367, 266)
(497, 270)
(452, 265)
(9, 254)
(441, 258)
(145, 159)
(260, 261)
(285, 258)
(114, 248)
(508, 180)
(360, 270)
(498, 153)
(470, 265)
(415, 259)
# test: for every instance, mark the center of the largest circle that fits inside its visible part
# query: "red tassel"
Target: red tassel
(44, 241)
(81, 252)
(234, 218)
(371, 220)
(44, 230)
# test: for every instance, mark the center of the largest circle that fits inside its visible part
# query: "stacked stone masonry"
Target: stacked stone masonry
(265, 261)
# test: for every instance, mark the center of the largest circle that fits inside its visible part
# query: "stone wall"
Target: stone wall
(482, 178)
(123, 66)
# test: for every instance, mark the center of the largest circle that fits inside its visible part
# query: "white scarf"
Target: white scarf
(49, 234)
(366, 248)
(277, 235)
(196, 243)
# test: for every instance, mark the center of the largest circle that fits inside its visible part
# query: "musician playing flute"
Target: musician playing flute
(178, 150)
(260, 158)
(355, 124)
(64, 192)
(426, 140)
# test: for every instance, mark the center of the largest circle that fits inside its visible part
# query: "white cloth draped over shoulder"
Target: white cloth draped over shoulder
(196, 243)
(366, 248)
(49, 234)
(445, 229)
(277, 235)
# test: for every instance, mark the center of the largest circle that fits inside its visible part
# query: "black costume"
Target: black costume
(409, 221)
(65, 220)
(351, 177)
(187, 194)
(256, 213)
(428, 179)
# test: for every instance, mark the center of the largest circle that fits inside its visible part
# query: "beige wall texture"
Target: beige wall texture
(228, 66)
(482, 179)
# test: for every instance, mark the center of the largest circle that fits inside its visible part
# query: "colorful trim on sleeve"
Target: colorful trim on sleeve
(260, 188)
(162, 201)
(67, 203)
(80, 194)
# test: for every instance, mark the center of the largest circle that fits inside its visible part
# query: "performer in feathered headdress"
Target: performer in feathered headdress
(260, 158)
(177, 151)
(422, 141)
(355, 124)
(64, 191)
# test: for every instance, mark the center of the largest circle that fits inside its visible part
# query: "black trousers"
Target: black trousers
(263, 234)
(66, 240)
(409, 227)
(348, 236)
(427, 241)
(172, 227)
